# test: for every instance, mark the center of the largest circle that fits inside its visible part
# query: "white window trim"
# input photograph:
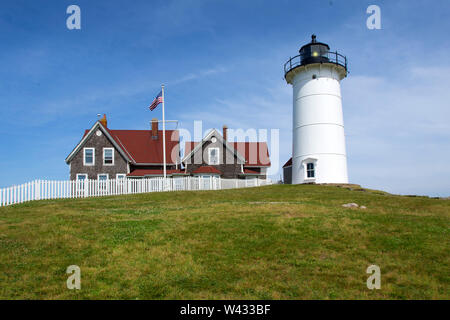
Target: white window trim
(305, 169)
(313, 170)
(121, 174)
(83, 174)
(209, 156)
(103, 174)
(108, 164)
(84, 157)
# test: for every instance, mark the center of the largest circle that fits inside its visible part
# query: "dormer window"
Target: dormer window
(213, 156)
(88, 156)
(108, 156)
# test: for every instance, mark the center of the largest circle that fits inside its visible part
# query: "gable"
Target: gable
(194, 150)
(254, 154)
(199, 150)
(87, 137)
(136, 146)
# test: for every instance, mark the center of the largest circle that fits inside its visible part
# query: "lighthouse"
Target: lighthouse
(318, 149)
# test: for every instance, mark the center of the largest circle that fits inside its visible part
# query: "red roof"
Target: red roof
(207, 169)
(288, 163)
(139, 146)
(152, 172)
(250, 171)
(255, 153)
(189, 146)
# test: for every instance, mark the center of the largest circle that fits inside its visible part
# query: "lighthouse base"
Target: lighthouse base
(320, 168)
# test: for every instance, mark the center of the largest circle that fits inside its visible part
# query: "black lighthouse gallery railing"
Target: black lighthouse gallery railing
(325, 57)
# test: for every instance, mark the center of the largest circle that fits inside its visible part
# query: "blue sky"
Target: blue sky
(221, 62)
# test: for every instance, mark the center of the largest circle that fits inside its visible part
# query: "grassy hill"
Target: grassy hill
(274, 242)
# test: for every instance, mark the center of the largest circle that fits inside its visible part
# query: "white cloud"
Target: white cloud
(398, 131)
(198, 75)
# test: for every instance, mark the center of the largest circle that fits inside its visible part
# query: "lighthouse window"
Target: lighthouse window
(310, 170)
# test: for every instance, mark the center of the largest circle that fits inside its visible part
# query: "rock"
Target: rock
(350, 205)
(363, 207)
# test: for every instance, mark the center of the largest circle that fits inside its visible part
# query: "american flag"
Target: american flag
(158, 100)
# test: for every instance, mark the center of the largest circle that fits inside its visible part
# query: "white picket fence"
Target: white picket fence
(45, 189)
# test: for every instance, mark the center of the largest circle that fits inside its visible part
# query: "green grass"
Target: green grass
(274, 242)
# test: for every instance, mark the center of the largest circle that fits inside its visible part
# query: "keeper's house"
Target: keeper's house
(106, 154)
(214, 155)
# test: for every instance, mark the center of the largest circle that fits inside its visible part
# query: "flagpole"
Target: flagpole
(164, 134)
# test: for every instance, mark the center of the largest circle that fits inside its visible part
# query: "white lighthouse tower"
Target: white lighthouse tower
(318, 151)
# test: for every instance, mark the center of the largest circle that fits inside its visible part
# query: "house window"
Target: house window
(213, 156)
(121, 176)
(108, 156)
(88, 156)
(310, 173)
(80, 182)
(102, 176)
(82, 176)
(102, 181)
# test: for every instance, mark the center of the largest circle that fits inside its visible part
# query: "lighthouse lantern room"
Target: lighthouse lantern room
(318, 150)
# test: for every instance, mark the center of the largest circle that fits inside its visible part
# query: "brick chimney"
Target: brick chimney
(103, 121)
(224, 134)
(155, 129)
